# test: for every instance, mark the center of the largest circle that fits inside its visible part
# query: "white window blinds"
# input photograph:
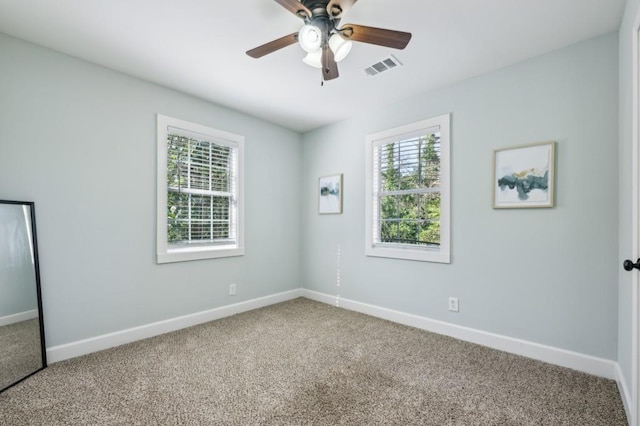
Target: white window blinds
(406, 183)
(201, 188)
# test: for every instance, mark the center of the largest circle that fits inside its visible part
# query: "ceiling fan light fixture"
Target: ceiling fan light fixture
(323, 39)
(310, 38)
(314, 59)
(340, 46)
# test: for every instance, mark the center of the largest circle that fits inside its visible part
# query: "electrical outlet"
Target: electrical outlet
(453, 304)
(232, 289)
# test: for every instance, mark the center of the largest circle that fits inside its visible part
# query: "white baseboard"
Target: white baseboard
(586, 363)
(625, 393)
(105, 341)
(574, 360)
(19, 317)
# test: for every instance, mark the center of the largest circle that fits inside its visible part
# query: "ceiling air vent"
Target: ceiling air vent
(382, 66)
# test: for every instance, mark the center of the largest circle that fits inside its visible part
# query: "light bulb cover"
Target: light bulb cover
(340, 47)
(314, 59)
(310, 38)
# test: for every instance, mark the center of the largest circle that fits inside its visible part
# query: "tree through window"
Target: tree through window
(408, 191)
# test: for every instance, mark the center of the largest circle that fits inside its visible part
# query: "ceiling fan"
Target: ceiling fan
(321, 37)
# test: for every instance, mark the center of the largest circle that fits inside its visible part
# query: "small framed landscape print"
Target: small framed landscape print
(523, 176)
(330, 194)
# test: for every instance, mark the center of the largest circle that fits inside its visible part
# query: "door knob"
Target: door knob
(628, 265)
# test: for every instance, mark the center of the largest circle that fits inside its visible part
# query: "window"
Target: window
(200, 210)
(407, 194)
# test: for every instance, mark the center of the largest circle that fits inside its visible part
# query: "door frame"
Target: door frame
(635, 227)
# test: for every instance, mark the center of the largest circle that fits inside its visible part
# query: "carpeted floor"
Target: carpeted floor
(302, 362)
(21, 338)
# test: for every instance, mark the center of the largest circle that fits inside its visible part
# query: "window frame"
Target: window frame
(441, 254)
(164, 252)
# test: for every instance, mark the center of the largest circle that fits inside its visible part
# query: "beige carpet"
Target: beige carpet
(302, 362)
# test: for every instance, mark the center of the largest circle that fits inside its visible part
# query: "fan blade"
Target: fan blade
(337, 8)
(272, 46)
(329, 65)
(295, 7)
(379, 36)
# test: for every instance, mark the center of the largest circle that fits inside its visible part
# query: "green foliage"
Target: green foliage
(410, 199)
(177, 229)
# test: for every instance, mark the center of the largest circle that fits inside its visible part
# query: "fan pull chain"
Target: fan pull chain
(338, 276)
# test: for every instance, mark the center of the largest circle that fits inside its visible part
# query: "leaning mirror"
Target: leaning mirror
(22, 348)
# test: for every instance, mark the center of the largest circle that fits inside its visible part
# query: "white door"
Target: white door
(629, 264)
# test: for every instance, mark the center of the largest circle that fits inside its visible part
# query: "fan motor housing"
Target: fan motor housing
(319, 8)
(315, 4)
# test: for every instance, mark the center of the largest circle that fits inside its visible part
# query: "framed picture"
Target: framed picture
(330, 194)
(523, 176)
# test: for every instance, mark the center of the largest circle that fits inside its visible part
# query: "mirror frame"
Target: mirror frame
(36, 265)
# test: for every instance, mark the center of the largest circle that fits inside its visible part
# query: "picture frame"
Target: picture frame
(330, 194)
(524, 176)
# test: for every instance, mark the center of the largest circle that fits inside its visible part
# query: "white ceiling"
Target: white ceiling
(198, 46)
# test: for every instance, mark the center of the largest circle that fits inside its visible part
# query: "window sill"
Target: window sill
(410, 253)
(198, 253)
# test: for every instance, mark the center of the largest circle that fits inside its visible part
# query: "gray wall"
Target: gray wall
(624, 187)
(544, 275)
(79, 140)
